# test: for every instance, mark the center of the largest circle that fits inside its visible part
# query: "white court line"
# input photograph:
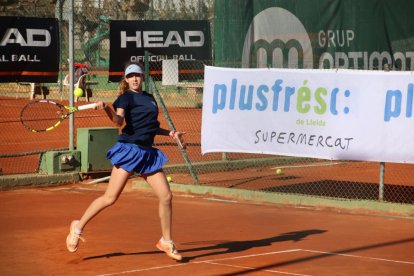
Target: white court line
(356, 256)
(70, 189)
(253, 268)
(199, 262)
(220, 200)
(251, 255)
(143, 269)
(215, 261)
(308, 165)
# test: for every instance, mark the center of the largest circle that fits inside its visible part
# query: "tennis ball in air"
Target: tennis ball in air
(169, 178)
(279, 171)
(78, 92)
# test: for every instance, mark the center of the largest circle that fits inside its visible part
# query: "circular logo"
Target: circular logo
(276, 38)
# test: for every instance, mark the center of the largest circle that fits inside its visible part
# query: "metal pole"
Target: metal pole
(147, 71)
(152, 10)
(60, 49)
(382, 164)
(98, 55)
(381, 181)
(71, 75)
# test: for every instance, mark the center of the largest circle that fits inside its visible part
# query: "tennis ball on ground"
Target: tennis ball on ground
(78, 92)
(169, 178)
(279, 171)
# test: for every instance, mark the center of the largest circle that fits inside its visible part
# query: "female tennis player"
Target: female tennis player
(134, 153)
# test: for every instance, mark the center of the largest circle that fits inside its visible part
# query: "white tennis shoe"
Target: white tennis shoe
(169, 248)
(73, 238)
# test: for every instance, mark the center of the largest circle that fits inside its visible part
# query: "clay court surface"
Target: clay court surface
(216, 237)
(17, 139)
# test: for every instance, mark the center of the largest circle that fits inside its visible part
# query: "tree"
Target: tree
(39, 8)
(134, 9)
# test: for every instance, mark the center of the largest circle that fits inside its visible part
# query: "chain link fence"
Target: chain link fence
(21, 154)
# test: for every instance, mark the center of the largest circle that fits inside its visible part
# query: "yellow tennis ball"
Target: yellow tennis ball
(78, 92)
(279, 171)
(169, 178)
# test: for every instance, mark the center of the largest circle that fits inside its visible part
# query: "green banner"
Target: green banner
(355, 34)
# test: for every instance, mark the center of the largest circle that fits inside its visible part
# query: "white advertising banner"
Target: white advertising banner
(329, 114)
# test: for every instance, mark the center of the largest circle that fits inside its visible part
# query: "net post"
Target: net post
(146, 69)
(381, 181)
(382, 164)
(71, 74)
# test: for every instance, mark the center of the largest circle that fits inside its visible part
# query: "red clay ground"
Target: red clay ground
(361, 178)
(216, 237)
(16, 139)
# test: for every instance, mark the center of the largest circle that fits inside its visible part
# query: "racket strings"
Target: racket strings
(41, 116)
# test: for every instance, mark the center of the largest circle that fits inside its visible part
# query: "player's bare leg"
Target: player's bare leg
(115, 186)
(159, 184)
(161, 188)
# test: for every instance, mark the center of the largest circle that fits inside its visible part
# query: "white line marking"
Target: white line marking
(70, 189)
(215, 262)
(143, 269)
(199, 262)
(184, 195)
(252, 255)
(356, 256)
(56, 189)
(308, 165)
(220, 200)
(253, 268)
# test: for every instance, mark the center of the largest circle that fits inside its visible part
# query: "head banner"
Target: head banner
(29, 49)
(187, 41)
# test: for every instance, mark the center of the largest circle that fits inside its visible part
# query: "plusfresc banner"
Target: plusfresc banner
(29, 49)
(329, 114)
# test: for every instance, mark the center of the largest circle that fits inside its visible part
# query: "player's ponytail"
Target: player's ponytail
(123, 86)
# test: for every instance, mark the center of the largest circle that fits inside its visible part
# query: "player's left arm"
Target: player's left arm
(178, 135)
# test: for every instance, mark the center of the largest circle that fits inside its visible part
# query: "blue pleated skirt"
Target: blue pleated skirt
(131, 157)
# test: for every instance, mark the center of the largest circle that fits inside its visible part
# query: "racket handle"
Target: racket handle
(87, 106)
(179, 142)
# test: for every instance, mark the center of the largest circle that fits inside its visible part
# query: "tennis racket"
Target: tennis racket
(45, 115)
(179, 143)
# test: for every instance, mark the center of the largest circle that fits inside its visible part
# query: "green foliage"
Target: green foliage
(90, 10)
(181, 9)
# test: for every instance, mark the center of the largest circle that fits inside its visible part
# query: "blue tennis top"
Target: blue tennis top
(141, 118)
